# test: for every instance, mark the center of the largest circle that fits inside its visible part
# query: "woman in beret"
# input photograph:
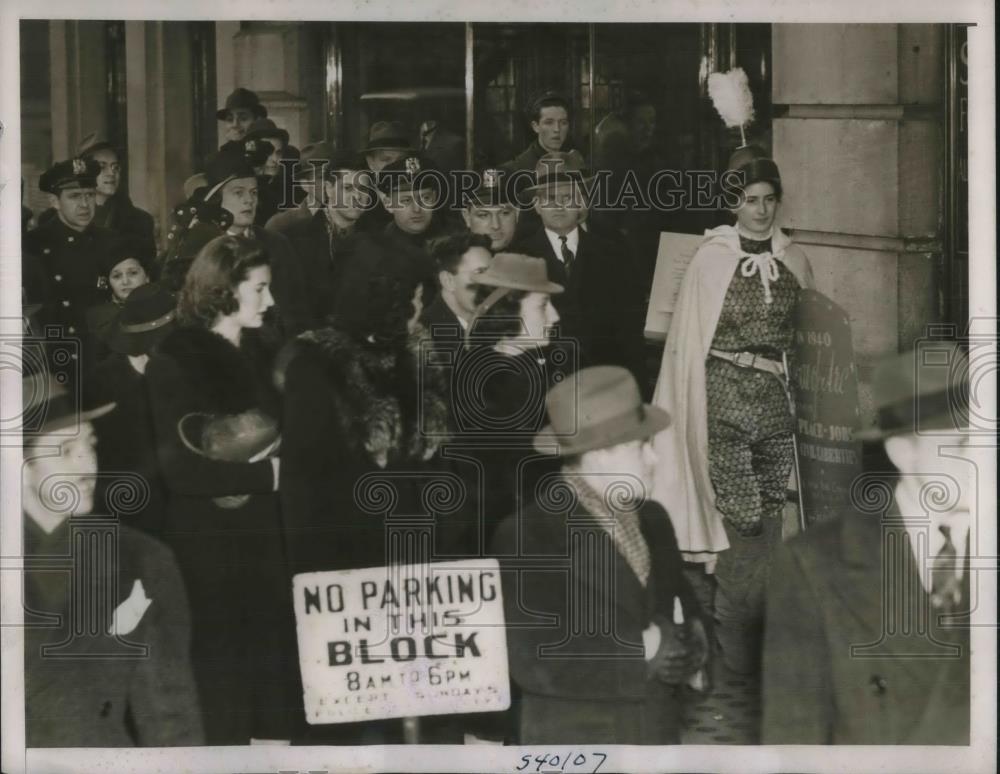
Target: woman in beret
(222, 515)
(727, 457)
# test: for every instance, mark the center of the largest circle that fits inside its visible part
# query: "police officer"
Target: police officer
(491, 209)
(63, 253)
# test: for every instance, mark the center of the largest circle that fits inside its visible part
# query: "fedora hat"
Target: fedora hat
(388, 135)
(230, 163)
(923, 389)
(514, 271)
(598, 408)
(47, 406)
(93, 143)
(557, 168)
(242, 99)
(265, 128)
(147, 316)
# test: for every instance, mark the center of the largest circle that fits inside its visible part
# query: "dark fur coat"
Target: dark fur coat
(351, 409)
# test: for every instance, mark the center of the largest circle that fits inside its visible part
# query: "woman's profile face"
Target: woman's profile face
(538, 315)
(758, 208)
(254, 297)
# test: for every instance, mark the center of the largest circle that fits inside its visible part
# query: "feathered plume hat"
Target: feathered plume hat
(730, 94)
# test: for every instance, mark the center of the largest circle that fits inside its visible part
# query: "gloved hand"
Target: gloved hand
(683, 651)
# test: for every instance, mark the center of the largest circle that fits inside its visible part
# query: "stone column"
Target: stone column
(859, 142)
(272, 59)
(78, 94)
(160, 124)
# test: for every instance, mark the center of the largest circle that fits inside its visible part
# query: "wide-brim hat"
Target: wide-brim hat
(923, 389)
(264, 128)
(388, 135)
(514, 271)
(147, 316)
(559, 168)
(242, 99)
(72, 173)
(48, 406)
(597, 408)
(230, 163)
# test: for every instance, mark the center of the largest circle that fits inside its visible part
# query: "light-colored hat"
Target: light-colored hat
(597, 408)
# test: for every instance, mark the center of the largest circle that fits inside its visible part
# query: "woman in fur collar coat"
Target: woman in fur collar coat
(216, 363)
(352, 407)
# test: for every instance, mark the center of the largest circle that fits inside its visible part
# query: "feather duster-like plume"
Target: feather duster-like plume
(730, 94)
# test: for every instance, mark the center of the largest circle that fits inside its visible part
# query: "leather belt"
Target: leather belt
(750, 360)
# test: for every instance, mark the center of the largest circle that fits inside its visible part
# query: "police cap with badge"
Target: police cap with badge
(72, 173)
(412, 173)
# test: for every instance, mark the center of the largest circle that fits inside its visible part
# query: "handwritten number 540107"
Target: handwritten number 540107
(565, 762)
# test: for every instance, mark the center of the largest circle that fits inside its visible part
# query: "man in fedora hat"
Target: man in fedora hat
(239, 112)
(275, 184)
(114, 209)
(387, 143)
(867, 629)
(325, 241)
(307, 177)
(233, 184)
(602, 308)
(114, 672)
(491, 209)
(595, 639)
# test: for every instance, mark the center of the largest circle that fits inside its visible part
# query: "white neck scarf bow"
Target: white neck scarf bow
(766, 266)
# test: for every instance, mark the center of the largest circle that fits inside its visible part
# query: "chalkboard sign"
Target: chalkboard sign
(826, 406)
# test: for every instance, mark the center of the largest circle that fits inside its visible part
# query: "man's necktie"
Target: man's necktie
(946, 586)
(567, 254)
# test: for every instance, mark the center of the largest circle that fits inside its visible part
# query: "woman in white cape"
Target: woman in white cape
(725, 460)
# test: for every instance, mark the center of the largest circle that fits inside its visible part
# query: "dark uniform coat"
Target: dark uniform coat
(832, 672)
(233, 560)
(68, 272)
(602, 670)
(321, 255)
(141, 697)
(602, 307)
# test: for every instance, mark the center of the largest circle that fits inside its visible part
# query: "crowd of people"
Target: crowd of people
(315, 316)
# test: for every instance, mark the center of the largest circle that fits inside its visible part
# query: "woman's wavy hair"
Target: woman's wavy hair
(500, 321)
(209, 289)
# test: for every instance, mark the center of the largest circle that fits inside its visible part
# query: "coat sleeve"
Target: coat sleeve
(163, 698)
(184, 472)
(288, 284)
(797, 695)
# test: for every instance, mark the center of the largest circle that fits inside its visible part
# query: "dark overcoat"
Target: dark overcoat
(853, 653)
(602, 309)
(233, 560)
(143, 694)
(548, 583)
